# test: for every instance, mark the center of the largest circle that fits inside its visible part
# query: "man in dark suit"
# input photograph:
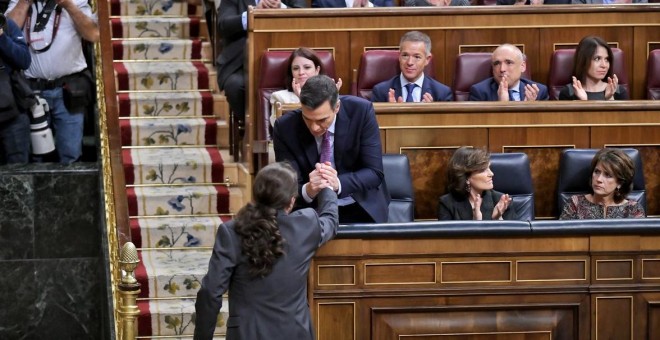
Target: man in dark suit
(351, 3)
(414, 55)
(232, 26)
(336, 140)
(506, 83)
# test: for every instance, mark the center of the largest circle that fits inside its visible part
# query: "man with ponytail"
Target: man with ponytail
(262, 257)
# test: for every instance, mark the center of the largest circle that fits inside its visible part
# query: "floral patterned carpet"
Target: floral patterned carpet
(179, 189)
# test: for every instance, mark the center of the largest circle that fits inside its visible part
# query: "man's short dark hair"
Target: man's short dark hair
(317, 90)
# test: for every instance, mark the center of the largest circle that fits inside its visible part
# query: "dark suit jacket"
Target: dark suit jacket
(273, 307)
(487, 90)
(452, 208)
(357, 152)
(342, 3)
(230, 26)
(439, 91)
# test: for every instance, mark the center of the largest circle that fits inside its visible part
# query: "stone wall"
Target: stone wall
(52, 272)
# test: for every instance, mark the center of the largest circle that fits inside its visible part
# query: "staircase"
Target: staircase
(174, 133)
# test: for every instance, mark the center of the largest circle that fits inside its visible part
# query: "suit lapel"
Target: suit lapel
(494, 86)
(426, 87)
(307, 140)
(341, 135)
(396, 85)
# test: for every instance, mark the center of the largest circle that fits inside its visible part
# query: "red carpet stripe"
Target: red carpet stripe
(223, 199)
(115, 7)
(124, 100)
(196, 52)
(131, 197)
(122, 76)
(125, 132)
(142, 277)
(144, 319)
(136, 235)
(194, 27)
(207, 103)
(202, 75)
(117, 50)
(129, 170)
(210, 131)
(117, 31)
(217, 169)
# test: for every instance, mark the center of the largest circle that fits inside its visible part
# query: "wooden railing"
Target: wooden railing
(116, 210)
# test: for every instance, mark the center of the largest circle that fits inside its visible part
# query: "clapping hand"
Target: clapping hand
(503, 89)
(501, 206)
(476, 207)
(531, 92)
(580, 93)
(391, 97)
(268, 4)
(427, 98)
(612, 85)
(295, 85)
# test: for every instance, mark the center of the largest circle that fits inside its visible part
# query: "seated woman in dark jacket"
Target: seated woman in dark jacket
(593, 78)
(471, 195)
(612, 173)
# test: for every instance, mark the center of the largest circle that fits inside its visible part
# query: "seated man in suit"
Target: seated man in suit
(506, 83)
(351, 3)
(335, 141)
(414, 55)
(232, 25)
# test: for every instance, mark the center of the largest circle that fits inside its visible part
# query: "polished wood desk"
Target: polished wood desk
(478, 281)
(429, 133)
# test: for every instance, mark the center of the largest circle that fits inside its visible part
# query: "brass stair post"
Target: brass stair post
(129, 289)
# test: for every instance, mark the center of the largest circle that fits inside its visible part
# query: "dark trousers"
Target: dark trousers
(234, 88)
(15, 140)
(354, 213)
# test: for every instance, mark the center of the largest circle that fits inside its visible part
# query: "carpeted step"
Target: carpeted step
(161, 49)
(161, 104)
(155, 27)
(170, 273)
(175, 232)
(173, 166)
(150, 7)
(168, 131)
(178, 200)
(173, 317)
(161, 76)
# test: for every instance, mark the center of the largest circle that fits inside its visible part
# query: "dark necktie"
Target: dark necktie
(511, 97)
(410, 87)
(326, 148)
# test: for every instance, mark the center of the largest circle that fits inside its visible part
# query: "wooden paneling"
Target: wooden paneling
(488, 322)
(336, 321)
(614, 269)
(476, 271)
(614, 317)
(551, 270)
(494, 287)
(399, 273)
